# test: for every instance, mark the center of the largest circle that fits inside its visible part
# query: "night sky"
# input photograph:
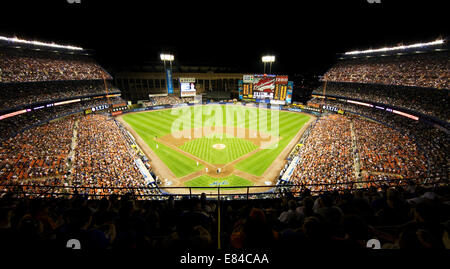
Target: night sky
(303, 35)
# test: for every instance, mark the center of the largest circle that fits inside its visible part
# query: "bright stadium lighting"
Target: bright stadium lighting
(167, 57)
(402, 47)
(268, 59)
(39, 43)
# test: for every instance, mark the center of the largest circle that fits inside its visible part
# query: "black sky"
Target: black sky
(304, 35)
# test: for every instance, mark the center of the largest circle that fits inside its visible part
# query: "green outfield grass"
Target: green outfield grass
(150, 124)
(230, 181)
(203, 148)
(256, 164)
(159, 123)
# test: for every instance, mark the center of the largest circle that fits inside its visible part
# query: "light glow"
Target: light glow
(67, 102)
(268, 59)
(13, 114)
(402, 47)
(39, 43)
(167, 57)
(359, 103)
(405, 114)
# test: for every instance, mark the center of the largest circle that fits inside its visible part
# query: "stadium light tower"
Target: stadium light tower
(268, 59)
(166, 57)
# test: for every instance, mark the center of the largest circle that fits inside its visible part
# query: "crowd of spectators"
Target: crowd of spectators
(22, 94)
(46, 78)
(102, 156)
(409, 217)
(428, 70)
(382, 153)
(13, 125)
(168, 100)
(35, 145)
(38, 155)
(326, 156)
(32, 66)
(431, 102)
(433, 143)
(384, 150)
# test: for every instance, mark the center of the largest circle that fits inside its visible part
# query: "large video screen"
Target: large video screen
(263, 87)
(187, 87)
(275, 88)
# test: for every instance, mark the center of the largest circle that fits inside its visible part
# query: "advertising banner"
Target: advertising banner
(187, 80)
(290, 89)
(248, 78)
(240, 82)
(281, 80)
(169, 81)
(290, 170)
(145, 173)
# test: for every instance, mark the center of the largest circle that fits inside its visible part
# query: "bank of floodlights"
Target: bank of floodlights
(268, 59)
(167, 57)
(38, 43)
(402, 47)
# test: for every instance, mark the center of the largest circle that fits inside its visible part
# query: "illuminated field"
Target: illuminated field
(193, 142)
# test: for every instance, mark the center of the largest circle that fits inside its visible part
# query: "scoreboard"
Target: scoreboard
(187, 87)
(266, 88)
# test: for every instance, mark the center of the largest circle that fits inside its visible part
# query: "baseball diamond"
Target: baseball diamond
(222, 146)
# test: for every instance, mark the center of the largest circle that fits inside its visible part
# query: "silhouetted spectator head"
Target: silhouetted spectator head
(446, 234)
(80, 217)
(257, 215)
(409, 240)
(312, 228)
(195, 204)
(127, 208)
(426, 211)
(308, 204)
(30, 228)
(393, 198)
(306, 192)
(5, 217)
(292, 204)
(355, 227)
(258, 234)
(326, 200)
(104, 204)
(200, 238)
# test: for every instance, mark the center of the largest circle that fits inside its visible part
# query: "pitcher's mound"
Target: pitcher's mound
(218, 146)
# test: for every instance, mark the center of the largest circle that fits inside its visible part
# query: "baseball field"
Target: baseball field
(216, 145)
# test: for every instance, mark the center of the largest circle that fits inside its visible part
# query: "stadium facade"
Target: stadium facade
(139, 85)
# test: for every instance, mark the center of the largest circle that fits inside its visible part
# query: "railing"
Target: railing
(245, 192)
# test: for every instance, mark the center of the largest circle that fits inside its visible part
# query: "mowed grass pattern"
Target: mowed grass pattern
(153, 124)
(289, 125)
(159, 123)
(203, 148)
(208, 181)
